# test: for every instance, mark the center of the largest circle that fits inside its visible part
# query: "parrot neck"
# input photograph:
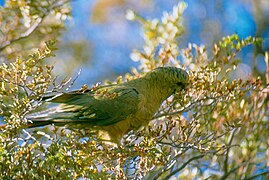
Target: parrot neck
(155, 91)
(158, 88)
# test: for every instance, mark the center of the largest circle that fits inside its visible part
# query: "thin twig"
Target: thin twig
(257, 175)
(34, 27)
(25, 34)
(230, 172)
(183, 166)
(166, 167)
(227, 152)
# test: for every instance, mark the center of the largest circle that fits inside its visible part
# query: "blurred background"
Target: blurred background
(98, 39)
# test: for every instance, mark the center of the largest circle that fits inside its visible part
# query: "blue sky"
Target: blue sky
(112, 42)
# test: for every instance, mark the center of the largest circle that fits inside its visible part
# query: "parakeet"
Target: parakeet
(114, 109)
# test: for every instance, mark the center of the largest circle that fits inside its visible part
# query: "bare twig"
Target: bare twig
(183, 166)
(226, 163)
(230, 172)
(168, 166)
(34, 27)
(257, 175)
(190, 106)
(25, 34)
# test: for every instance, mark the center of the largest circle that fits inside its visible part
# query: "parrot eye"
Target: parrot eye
(180, 84)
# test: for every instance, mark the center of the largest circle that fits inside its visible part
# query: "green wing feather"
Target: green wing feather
(103, 106)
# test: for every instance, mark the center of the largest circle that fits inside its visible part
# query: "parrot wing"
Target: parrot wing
(103, 106)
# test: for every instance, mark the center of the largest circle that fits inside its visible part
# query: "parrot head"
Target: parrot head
(175, 78)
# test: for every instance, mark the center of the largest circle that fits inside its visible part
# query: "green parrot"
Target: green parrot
(114, 109)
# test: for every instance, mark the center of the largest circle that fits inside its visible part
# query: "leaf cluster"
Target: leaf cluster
(216, 128)
(30, 21)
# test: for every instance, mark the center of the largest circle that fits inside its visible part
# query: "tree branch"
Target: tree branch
(33, 28)
(168, 166)
(183, 166)
(226, 163)
(257, 175)
(25, 34)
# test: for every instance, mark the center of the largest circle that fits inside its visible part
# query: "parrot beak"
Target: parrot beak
(182, 85)
(179, 86)
(187, 85)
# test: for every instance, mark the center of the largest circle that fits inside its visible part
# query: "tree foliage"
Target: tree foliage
(25, 25)
(217, 128)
